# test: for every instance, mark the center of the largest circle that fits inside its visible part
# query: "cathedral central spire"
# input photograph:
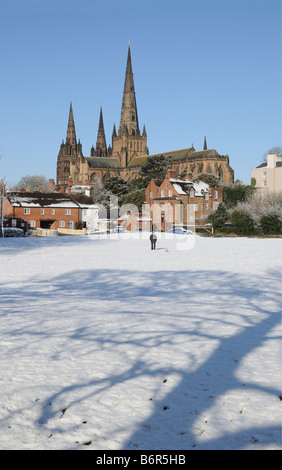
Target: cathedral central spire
(129, 116)
(71, 136)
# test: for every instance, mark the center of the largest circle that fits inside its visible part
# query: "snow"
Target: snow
(200, 188)
(179, 189)
(107, 343)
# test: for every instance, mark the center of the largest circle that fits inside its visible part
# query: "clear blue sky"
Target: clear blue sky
(201, 68)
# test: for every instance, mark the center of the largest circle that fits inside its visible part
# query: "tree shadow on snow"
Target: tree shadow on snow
(218, 307)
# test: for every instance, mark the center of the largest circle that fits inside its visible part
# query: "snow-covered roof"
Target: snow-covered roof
(88, 206)
(176, 180)
(181, 186)
(200, 188)
(38, 199)
(139, 216)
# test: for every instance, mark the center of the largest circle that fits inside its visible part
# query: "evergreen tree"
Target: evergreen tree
(211, 180)
(116, 185)
(243, 222)
(236, 193)
(154, 168)
(219, 217)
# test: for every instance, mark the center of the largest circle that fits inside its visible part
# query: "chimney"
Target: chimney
(171, 174)
(271, 160)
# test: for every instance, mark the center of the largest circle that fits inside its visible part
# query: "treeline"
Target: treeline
(249, 210)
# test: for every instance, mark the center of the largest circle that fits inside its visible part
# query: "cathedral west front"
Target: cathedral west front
(129, 150)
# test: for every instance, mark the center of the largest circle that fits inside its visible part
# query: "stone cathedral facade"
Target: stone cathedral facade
(129, 149)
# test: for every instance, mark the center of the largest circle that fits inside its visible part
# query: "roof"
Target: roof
(139, 216)
(38, 199)
(181, 186)
(102, 162)
(84, 201)
(206, 153)
(174, 155)
(264, 165)
(200, 188)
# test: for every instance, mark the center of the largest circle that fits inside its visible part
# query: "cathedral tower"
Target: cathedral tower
(101, 147)
(69, 154)
(129, 142)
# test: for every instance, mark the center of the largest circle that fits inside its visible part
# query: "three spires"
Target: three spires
(129, 125)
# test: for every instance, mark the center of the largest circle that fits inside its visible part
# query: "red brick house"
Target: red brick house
(44, 210)
(180, 202)
(135, 221)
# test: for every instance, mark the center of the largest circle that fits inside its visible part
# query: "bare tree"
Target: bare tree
(277, 150)
(33, 183)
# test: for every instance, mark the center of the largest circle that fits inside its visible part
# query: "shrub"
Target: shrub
(79, 225)
(243, 223)
(271, 224)
(219, 217)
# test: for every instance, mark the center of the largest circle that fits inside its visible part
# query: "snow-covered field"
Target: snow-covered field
(108, 345)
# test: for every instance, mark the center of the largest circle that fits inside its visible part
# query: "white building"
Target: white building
(89, 216)
(268, 175)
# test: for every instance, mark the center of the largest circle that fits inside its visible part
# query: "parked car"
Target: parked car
(119, 230)
(97, 232)
(182, 231)
(13, 232)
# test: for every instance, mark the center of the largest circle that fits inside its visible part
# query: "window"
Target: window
(68, 212)
(61, 223)
(216, 194)
(170, 193)
(53, 211)
(26, 211)
(151, 194)
(41, 211)
(162, 193)
(32, 223)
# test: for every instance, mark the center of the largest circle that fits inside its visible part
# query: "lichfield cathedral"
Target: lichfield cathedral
(128, 150)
